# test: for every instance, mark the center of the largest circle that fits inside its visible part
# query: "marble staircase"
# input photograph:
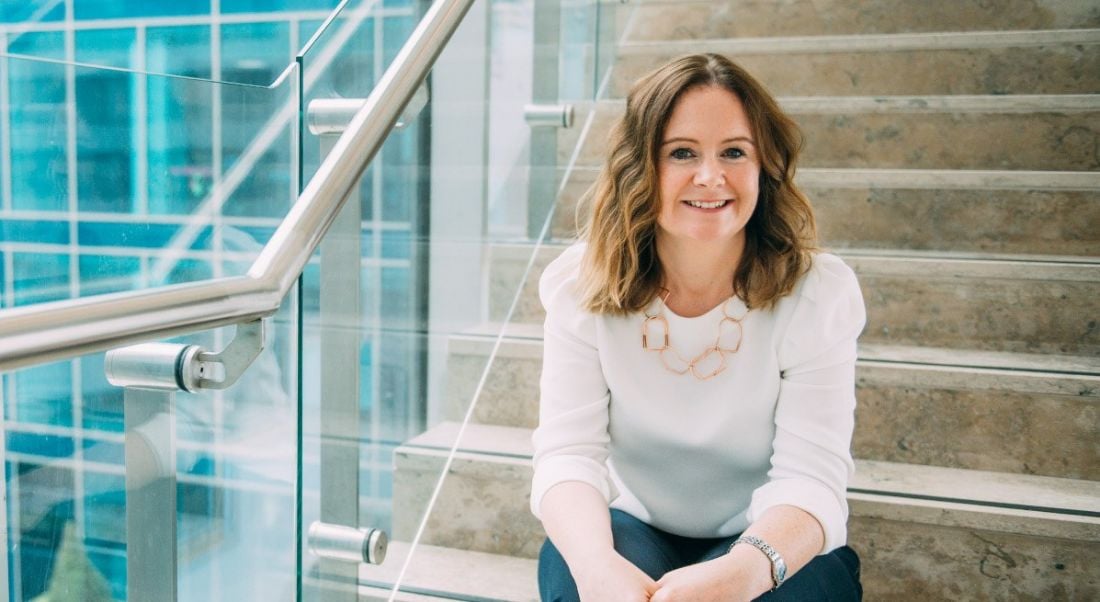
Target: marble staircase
(953, 157)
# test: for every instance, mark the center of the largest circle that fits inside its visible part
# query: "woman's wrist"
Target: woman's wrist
(751, 567)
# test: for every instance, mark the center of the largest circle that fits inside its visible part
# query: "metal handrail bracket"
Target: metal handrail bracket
(57, 330)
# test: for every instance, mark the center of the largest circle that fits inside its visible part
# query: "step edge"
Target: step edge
(489, 435)
(899, 42)
(1040, 104)
(1004, 516)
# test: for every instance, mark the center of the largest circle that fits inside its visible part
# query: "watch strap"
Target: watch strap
(779, 567)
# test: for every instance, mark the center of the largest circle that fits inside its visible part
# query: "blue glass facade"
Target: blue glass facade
(142, 145)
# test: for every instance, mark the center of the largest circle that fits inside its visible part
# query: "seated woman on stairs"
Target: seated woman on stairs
(699, 367)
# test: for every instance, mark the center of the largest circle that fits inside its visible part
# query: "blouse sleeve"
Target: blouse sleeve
(571, 441)
(815, 414)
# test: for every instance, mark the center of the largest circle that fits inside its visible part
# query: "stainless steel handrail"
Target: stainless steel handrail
(52, 331)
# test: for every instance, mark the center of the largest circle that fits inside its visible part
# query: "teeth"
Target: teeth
(702, 205)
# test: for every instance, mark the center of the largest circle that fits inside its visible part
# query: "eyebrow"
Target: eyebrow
(694, 141)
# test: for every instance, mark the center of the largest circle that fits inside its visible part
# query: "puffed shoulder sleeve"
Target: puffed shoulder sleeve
(571, 441)
(815, 414)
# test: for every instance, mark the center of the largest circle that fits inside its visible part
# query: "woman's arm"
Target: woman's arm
(577, 521)
(571, 487)
(746, 573)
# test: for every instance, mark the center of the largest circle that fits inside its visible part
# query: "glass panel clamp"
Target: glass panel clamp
(348, 544)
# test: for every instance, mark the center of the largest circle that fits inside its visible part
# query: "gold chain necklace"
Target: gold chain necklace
(683, 366)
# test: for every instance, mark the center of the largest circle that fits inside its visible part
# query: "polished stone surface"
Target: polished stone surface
(483, 503)
(904, 561)
(940, 310)
(726, 18)
(1055, 222)
(1034, 141)
(510, 394)
(983, 429)
(1067, 69)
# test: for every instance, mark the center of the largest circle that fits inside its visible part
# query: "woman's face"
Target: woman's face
(708, 168)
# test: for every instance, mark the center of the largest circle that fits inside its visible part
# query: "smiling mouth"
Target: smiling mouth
(708, 204)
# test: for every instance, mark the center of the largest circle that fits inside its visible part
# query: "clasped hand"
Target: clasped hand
(723, 579)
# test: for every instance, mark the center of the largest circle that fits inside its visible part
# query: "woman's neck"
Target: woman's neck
(697, 275)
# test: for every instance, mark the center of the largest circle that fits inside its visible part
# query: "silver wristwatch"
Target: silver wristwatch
(779, 568)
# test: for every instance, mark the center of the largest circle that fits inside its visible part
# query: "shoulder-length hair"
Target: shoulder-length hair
(622, 273)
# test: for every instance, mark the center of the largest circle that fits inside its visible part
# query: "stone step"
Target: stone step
(1007, 536)
(1064, 61)
(1005, 212)
(1041, 132)
(710, 19)
(438, 573)
(920, 299)
(940, 407)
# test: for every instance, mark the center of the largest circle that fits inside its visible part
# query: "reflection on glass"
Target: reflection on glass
(234, 467)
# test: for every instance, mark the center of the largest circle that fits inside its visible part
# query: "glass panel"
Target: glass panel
(462, 486)
(379, 329)
(64, 448)
(121, 180)
(445, 276)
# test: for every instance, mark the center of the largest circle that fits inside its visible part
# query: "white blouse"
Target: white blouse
(703, 458)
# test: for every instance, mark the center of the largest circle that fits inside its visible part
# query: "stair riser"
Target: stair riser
(903, 561)
(998, 430)
(1053, 69)
(725, 19)
(982, 221)
(903, 415)
(1055, 141)
(947, 560)
(995, 315)
(986, 313)
(482, 507)
(1039, 222)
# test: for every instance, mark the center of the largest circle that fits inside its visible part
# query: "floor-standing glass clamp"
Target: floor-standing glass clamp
(348, 543)
(150, 374)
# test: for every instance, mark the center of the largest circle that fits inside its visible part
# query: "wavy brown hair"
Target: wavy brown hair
(622, 273)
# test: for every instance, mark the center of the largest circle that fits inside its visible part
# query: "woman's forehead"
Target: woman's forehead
(710, 112)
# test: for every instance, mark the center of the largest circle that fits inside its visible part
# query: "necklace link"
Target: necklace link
(655, 327)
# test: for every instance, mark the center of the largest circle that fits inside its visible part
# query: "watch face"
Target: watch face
(780, 571)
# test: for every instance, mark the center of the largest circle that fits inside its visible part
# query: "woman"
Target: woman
(720, 436)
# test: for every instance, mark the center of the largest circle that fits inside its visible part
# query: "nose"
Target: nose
(709, 174)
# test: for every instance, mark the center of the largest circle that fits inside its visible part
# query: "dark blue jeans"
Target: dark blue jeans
(833, 577)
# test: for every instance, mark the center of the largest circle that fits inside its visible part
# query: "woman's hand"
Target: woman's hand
(735, 577)
(613, 578)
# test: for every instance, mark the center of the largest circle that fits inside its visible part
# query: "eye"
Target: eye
(681, 154)
(733, 153)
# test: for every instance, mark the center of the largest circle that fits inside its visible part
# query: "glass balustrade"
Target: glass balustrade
(78, 451)
(443, 338)
(120, 180)
(145, 144)
(165, 147)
